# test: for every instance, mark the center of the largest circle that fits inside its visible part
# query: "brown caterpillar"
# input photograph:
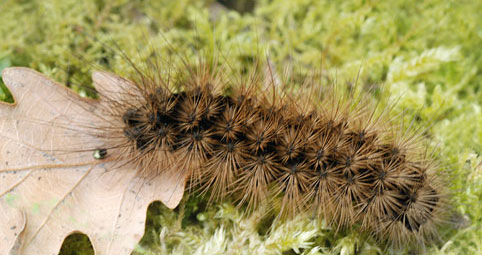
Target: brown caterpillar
(297, 146)
(317, 148)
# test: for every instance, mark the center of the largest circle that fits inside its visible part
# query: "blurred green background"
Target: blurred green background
(427, 53)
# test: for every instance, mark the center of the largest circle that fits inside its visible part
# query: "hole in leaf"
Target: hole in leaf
(77, 244)
(153, 226)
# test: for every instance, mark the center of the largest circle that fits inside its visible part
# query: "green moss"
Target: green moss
(425, 52)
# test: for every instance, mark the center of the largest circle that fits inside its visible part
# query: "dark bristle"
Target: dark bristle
(133, 133)
(131, 117)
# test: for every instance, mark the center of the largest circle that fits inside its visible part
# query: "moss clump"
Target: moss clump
(427, 53)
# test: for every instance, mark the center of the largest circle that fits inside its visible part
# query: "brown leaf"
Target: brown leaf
(52, 186)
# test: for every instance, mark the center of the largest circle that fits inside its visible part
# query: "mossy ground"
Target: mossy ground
(427, 53)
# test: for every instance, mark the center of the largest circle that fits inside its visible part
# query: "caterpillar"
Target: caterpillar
(261, 140)
(296, 145)
(433, 63)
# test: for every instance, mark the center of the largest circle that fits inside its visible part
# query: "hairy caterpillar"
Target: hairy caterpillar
(432, 64)
(317, 148)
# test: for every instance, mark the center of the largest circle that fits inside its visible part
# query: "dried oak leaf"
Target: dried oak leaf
(48, 191)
